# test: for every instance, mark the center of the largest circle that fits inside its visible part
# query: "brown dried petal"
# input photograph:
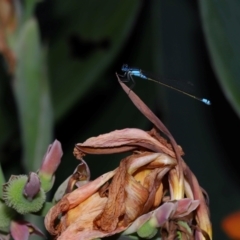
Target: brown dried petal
(89, 210)
(120, 141)
(131, 193)
(80, 176)
(202, 212)
(136, 197)
(176, 187)
(108, 219)
(73, 199)
(150, 161)
(131, 196)
(75, 233)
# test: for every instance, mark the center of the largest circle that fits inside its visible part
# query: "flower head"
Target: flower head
(151, 190)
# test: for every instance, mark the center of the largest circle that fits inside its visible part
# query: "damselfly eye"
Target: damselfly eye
(124, 67)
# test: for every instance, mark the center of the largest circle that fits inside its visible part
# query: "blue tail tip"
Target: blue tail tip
(206, 101)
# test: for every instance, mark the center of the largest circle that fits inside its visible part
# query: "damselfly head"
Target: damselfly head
(125, 68)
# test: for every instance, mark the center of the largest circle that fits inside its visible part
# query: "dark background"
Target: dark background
(88, 41)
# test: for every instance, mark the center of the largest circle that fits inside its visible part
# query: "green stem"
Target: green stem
(46, 207)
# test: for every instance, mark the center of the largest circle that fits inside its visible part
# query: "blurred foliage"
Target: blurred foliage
(32, 95)
(81, 44)
(65, 84)
(220, 23)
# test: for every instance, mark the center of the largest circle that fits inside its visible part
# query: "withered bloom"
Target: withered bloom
(151, 190)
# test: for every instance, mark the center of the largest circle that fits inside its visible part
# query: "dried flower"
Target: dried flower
(80, 177)
(151, 189)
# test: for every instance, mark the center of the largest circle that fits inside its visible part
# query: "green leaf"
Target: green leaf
(46, 207)
(221, 27)
(99, 29)
(32, 95)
